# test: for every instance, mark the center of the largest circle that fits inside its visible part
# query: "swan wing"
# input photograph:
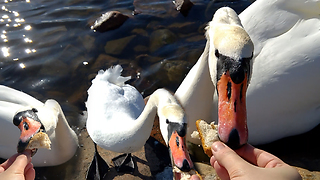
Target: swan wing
(113, 108)
(282, 98)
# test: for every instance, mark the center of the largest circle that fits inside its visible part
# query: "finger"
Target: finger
(21, 162)
(29, 172)
(194, 177)
(28, 167)
(221, 171)
(259, 157)
(228, 159)
(212, 160)
(8, 162)
(28, 153)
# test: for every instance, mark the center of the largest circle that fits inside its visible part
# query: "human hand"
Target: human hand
(254, 164)
(18, 167)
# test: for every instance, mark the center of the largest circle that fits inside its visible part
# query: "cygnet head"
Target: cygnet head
(173, 125)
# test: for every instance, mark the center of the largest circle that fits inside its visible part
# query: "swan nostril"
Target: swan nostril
(234, 139)
(185, 166)
(229, 90)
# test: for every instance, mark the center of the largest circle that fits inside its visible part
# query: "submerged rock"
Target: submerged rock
(183, 6)
(160, 38)
(116, 47)
(109, 21)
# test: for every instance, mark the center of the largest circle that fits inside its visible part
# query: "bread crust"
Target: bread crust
(39, 140)
(208, 135)
(186, 175)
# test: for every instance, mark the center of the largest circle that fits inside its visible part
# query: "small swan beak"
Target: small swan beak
(179, 153)
(232, 113)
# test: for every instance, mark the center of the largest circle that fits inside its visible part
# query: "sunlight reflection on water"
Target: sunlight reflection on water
(12, 20)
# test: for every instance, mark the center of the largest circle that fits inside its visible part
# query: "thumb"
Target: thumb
(20, 162)
(229, 159)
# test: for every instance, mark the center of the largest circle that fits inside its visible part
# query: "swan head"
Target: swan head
(173, 126)
(230, 63)
(29, 124)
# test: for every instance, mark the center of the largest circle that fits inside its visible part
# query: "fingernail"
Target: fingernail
(212, 160)
(218, 146)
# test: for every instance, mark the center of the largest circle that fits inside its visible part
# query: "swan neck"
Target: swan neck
(63, 133)
(146, 118)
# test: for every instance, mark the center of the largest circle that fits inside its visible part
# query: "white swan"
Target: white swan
(119, 121)
(225, 65)
(282, 98)
(63, 138)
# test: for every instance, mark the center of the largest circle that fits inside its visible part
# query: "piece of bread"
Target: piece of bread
(208, 135)
(39, 140)
(184, 175)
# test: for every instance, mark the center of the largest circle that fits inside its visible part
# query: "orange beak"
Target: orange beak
(29, 125)
(232, 113)
(179, 154)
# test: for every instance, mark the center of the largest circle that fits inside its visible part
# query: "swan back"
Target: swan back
(113, 108)
(64, 141)
(112, 75)
(279, 21)
(286, 62)
(109, 96)
(16, 97)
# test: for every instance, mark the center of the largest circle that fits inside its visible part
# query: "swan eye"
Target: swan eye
(216, 53)
(167, 121)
